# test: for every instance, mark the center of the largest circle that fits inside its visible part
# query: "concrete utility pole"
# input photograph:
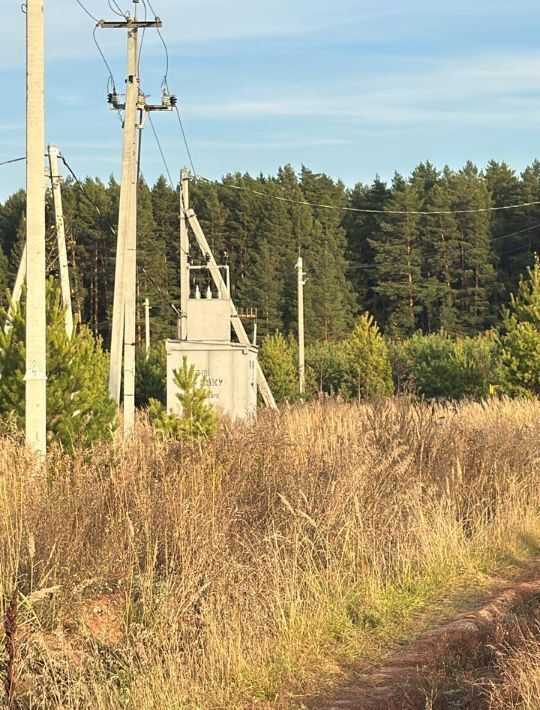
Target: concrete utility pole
(128, 205)
(301, 362)
(147, 326)
(125, 286)
(36, 357)
(17, 291)
(184, 252)
(53, 153)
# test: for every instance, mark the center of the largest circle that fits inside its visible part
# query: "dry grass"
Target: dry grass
(516, 677)
(157, 576)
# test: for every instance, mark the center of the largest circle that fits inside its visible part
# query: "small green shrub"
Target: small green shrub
(277, 357)
(151, 375)
(198, 418)
(326, 368)
(368, 371)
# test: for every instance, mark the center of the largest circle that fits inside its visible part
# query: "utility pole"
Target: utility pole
(36, 355)
(125, 286)
(53, 153)
(301, 362)
(147, 326)
(184, 252)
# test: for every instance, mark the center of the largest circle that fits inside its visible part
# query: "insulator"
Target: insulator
(209, 293)
(197, 292)
(173, 101)
(166, 100)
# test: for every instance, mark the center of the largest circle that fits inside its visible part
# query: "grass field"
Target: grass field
(250, 570)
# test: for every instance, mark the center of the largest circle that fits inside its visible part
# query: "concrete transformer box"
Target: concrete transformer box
(228, 370)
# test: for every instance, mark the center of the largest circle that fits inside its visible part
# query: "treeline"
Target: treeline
(451, 271)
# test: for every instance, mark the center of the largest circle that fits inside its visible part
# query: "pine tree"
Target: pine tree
(329, 298)
(520, 336)
(398, 262)
(505, 189)
(474, 278)
(364, 230)
(366, 352)
(79, 408)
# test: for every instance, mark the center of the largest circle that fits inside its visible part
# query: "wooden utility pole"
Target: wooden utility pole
(301, 361)
(53, 153)
(36, 357)
(147, 326)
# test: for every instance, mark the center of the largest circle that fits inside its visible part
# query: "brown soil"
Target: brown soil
(440, 669)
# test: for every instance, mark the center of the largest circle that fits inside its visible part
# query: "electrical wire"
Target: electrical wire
(185, 141)
(166, 74)
(87, 11)
(13, 160)
(142, 41)
(114, 232)
(87, 196)
(111, 77)
(160, 149)
(338, 208)
(118, 10)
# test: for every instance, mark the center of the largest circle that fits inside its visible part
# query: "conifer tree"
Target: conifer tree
(79, 408)
(398, 262)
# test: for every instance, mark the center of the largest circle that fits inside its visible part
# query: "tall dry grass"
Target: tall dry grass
(159, 575)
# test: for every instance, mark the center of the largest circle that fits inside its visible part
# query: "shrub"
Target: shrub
(151, 375)
(438, 367)
(277, 359)
(368, 371)
(198, 418)
(326, 368)
(79, 408)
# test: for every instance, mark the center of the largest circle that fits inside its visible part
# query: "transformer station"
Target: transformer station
(228, 369)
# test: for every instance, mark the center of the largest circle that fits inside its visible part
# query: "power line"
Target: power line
(13, 160)
(160, 149)
(85, 194)
(87, 11)
(339, 208)
(142, 41)
(114, 232)
(185, 140)
(165, 75)
(118, 10)
(111, 77)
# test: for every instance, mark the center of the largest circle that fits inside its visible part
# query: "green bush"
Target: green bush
(79, 408)
(439, 367)
(198, 418)
(326, 368)
(277, 358)
(151, 375)
(368, 372)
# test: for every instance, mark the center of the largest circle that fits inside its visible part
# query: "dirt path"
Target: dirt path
(425, 673)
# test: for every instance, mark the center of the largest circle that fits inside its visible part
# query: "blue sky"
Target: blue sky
(353, 88)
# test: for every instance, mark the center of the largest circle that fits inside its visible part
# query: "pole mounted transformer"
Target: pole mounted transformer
(36, 365)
